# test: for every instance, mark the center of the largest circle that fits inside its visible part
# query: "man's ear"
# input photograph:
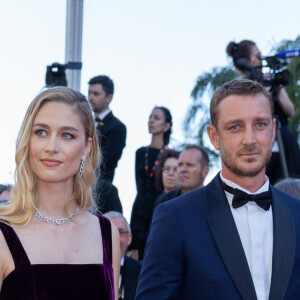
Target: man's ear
(274, 129)
(205, 171)
(129, 238)
(108, 98)
(213, 136)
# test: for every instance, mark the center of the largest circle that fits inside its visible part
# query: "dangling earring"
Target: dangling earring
(82, 165)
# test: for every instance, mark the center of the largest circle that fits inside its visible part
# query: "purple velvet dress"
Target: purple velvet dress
(58, 281)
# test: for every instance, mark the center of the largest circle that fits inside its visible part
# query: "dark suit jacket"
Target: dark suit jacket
(194, 250)
(132, 269)
(106, 197)
(166, 197)
(112, 138)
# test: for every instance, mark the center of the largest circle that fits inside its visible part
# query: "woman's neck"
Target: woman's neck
(53, 199)
(157, 141)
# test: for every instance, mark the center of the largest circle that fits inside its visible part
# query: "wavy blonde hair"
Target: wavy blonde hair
(23, 197)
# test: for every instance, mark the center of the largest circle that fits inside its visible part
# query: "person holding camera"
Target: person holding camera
(247, 59)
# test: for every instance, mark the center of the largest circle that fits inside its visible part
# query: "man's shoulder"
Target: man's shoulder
(188, 202)
(197, 198)
(168, 196)
(133, 263)
(112, 119)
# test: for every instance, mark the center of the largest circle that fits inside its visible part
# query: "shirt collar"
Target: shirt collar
(104, 114)
(264, 188)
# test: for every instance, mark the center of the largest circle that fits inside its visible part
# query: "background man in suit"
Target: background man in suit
(111, 131)
(192, 169)
(130, 268)
(238, 237)
(106, 196)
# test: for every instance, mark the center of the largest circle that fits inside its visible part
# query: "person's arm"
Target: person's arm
(163, 263)
(116, 258)
(285, 102)
(133, 251)
(6, 260)
(113, 151)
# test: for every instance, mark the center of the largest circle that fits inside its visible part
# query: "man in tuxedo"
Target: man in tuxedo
(111, 131)
(130, 268)
(238, 237)
(192, 169)
(106, 197)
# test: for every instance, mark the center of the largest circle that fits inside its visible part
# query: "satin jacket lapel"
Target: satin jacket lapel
(284, 245)
(227, 239)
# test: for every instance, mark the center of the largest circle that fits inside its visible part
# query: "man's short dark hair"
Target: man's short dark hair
(105, 81)
(239, 87)
(204, 157)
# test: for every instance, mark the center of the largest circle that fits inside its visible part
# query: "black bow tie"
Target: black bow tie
(240, 198)
(99, 121)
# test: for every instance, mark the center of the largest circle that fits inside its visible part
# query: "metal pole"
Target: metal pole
(281, 149)
(73, 48)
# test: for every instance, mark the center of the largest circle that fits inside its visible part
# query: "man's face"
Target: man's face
(244, 135)
(190, 173)
(125, 236)
(98, 98)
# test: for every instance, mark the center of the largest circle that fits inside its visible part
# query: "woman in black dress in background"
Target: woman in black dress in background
(147, 158)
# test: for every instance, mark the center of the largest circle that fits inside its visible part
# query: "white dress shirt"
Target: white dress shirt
(255, 228)
(121, 294)
(104, 114)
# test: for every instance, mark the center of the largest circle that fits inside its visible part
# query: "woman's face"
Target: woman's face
(157, 122)
(57, 143)
(255, 57)
(169, 174)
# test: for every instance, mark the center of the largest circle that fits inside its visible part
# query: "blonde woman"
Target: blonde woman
(50, 246)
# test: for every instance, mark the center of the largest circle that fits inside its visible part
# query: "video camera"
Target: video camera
(56, 75)
(277, 65)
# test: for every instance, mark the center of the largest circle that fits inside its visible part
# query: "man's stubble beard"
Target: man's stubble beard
(235, 169)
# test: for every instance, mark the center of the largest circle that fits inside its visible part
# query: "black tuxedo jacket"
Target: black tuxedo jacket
(106, 197)
(112, 139)
(194, 250)
(132, 269)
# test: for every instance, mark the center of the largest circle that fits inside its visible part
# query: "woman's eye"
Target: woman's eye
(40, 132)
(67, 135)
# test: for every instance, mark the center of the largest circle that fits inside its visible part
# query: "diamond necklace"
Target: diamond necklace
(57, 221)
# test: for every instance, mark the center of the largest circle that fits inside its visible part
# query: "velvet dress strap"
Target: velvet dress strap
(16, 249)
(106, 239)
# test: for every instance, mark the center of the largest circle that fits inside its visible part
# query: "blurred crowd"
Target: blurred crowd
(163, 173)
